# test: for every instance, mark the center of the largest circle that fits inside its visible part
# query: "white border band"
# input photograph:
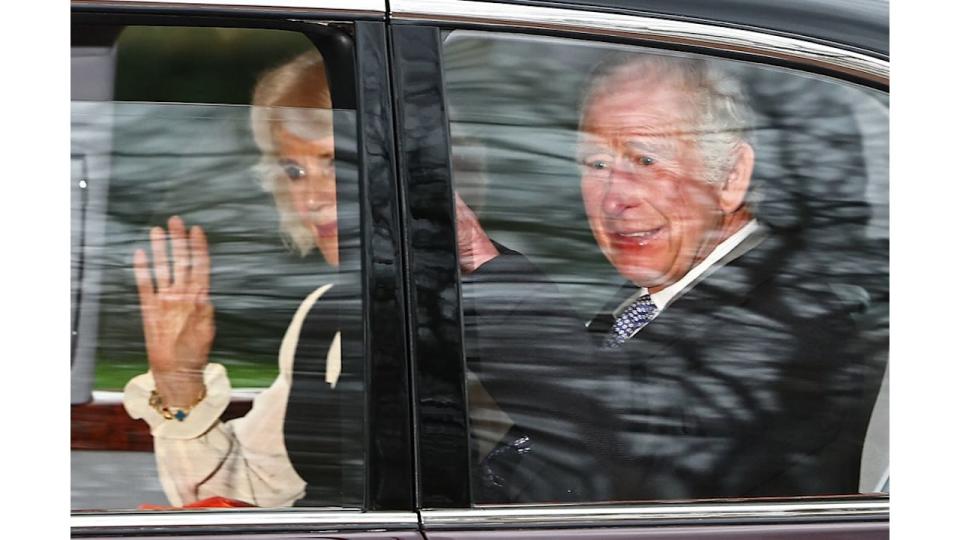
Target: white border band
(640, 27)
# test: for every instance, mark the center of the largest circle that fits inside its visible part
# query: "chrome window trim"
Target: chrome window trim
(358, 7)
(182, 521)
(737, 512)
(724, 38)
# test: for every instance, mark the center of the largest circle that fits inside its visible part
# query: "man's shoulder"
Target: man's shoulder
(775, 290)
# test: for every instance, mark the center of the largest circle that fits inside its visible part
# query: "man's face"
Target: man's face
(644, 184)
(311, 180)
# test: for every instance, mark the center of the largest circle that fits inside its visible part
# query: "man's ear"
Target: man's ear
(737, 183)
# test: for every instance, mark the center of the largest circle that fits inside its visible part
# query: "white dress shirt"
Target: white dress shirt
(744, 238)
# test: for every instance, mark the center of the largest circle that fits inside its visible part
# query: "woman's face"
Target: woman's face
(309, 171)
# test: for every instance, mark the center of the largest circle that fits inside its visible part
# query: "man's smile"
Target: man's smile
(636, 236)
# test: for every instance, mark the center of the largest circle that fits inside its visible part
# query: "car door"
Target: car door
(734, 422)
(171, 115)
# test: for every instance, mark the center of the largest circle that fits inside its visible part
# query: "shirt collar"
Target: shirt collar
(665, 296)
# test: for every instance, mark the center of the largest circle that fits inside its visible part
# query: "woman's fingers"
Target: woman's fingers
(200, 255)
(161, 268)
(181, 253)
(141, 270)
(191, 266)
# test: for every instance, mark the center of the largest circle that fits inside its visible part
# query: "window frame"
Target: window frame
(388, 498)
(439, 367)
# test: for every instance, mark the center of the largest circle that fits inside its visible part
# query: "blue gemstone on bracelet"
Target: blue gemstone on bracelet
(180, 415)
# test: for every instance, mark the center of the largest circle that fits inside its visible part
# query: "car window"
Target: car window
(674, 273)
(215, 254)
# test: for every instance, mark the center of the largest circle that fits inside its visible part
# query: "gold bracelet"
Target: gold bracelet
(178, 413)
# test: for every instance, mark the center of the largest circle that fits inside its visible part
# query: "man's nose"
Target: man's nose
(621, 189)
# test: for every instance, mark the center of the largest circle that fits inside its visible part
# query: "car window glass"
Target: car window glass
(676, 274)
(216, 304)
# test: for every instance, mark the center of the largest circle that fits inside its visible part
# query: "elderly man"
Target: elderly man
(727, 366)
(663, 183)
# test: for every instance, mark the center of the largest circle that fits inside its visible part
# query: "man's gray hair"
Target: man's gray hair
(720, 115)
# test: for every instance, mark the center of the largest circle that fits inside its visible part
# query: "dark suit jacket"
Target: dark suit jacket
(757, 381)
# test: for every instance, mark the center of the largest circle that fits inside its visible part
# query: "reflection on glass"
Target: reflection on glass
(689, 295)
(207, 269)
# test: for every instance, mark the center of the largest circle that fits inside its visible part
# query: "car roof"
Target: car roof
(861, 25)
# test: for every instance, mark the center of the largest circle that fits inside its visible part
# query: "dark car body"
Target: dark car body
(416, 481)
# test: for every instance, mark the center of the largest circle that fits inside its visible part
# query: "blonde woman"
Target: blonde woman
(183, 394)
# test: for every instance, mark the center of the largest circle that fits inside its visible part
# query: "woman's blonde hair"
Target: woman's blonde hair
(295, 95)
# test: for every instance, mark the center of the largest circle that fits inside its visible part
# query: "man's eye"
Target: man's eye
(597, 164)
(294, 172)
(645, 161)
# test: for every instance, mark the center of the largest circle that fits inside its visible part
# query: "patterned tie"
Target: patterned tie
(635, 317)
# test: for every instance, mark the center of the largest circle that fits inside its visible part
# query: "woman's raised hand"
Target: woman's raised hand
(177, 314)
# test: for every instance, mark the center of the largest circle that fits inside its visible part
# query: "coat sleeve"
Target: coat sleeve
(533, 356)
